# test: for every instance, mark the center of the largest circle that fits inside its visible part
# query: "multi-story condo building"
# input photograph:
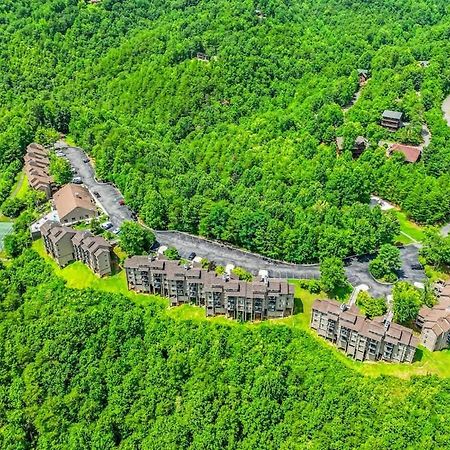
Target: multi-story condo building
(65, 245)
(361, 338)
(58, 242)
(435, 322)
(37, 169)
(219, 295)
(94, 251)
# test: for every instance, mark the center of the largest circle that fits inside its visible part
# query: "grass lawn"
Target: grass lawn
(77, 275)
(413, 231)
(21, 187)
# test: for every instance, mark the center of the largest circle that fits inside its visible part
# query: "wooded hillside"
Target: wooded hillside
(82, 369)
(242, 147)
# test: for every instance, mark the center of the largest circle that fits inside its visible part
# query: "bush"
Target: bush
(243, 274)
(172, 253)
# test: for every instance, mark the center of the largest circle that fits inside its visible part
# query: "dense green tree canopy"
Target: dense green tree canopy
(82, 369)
(240, 148)
(135, 239)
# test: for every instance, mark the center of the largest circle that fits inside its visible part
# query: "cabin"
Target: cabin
(392, 120)
(411, 153)
(202, 57)
(359, 146)
(364, 76)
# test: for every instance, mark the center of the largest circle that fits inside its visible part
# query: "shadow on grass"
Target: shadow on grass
(418, 356)
(298, 306)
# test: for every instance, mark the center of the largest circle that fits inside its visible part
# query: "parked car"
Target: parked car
(121, 202)
(107, 225)
(191, 256)
(116, 231)
(58, 153)
(416, 266)
(97, 194)
(85, 160)
(77, 180)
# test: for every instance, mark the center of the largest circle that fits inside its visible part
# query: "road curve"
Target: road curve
(356, 268)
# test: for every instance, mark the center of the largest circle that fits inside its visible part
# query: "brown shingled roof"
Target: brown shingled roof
(73, 196)
(411, 153)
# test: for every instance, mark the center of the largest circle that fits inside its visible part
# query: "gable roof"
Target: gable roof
(411, 153)
(73, 196)
(394, 115)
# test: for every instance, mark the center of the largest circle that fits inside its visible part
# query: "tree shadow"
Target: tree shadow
(419, 355)
(299, 308)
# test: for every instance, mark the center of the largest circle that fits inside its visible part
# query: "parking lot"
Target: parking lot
(108, 196)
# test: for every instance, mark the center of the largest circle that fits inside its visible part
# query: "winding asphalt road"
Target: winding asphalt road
(356, 268)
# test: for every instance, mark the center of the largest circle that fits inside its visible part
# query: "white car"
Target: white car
(106, 225)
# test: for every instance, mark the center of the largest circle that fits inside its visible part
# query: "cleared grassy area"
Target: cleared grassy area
(77, 275)
(21, 188)
(410, 230)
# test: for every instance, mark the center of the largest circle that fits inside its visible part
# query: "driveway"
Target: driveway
(109, 195)
(356, 268)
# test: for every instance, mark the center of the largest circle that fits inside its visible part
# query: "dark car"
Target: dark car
(121, 202)
(191, 256)
(97, 194)
(416, 266)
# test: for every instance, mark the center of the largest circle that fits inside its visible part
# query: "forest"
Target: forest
(84, 369)
(241, 147)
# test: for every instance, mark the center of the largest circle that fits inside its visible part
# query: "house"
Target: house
(361, 338)
(392, 120)
(411, 153)
(218, 295)
(363, 76)
(65, 245)
(435, 322)
(37, 169)
(202, 57)
(74, 204)
(359, 146)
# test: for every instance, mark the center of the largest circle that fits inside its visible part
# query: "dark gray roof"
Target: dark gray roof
(394, 115)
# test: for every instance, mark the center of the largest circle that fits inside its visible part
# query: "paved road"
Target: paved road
(446, 109)
(109, 195)
(356, 268)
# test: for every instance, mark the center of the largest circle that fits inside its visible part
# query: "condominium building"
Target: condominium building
(219, 295)
(435, 322)
(58, 242)
(74, 204)
(361, 338)
(37, 169)
(65, 245)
